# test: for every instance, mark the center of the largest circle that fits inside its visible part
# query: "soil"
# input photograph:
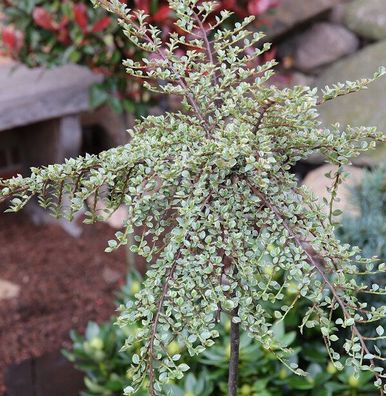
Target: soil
(62, 285)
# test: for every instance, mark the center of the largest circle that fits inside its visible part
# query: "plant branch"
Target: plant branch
(128, 19)
(234, 355)
(263, 111)
(154, 328)
(207, 45)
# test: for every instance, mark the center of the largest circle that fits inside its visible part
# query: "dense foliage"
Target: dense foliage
(98, 355)
(220, 217)
(51, 33)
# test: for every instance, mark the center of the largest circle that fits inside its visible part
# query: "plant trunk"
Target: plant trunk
(234, 356)
(131, 259)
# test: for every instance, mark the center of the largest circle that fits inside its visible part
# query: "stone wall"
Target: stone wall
(319, 43)
(323, 42)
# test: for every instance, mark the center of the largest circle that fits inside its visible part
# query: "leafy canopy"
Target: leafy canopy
(216, 209)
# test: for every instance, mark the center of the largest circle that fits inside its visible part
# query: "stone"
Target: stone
(291, 13)
(300, 79)
(111, 276)
(118, 218)
(367, 18)
(10, 154)
(317, 182)
(45, 143)
(4, 60)
(8, 290)
(337, 13)
(40, 109)
(366, 107)
(32, 95)
(322, 44)
(115, 220)
(40, 217)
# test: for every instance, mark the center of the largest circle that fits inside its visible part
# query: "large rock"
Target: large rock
(290, 13)
(318, 183)
(300, 79)
(8, 290)
(366, 107)
(367, 18)
(338, 12)
(115, 220)
(323, 43)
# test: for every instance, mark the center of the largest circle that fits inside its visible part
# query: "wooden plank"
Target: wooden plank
(32, 95)
(45, 143)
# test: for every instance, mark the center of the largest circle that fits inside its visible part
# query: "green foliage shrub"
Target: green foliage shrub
(97, 355)
(106, 373)
(225, 226)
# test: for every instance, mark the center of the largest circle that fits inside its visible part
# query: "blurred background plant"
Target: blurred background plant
(97, 354)
(366, 226)
(48, 34)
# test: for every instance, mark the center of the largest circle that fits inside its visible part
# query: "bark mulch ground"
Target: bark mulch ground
(62, 285)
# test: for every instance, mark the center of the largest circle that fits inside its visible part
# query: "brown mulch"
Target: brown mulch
(62, 285)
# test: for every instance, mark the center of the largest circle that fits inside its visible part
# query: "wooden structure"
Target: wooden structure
(40, 114)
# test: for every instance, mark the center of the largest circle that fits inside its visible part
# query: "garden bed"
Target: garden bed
(64, 283)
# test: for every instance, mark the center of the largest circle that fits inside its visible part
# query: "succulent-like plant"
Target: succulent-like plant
(220, 214)
(97, 354)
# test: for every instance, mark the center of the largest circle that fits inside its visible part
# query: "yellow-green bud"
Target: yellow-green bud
(353, 381)
(246, 390)
(96, 343)
(173, 348)
(135, 287)
(283, 373)
(331, 369)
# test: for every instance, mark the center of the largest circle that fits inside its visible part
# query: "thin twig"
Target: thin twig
(263, 111)
(154, 327)
(207, 45)
(127, 19)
